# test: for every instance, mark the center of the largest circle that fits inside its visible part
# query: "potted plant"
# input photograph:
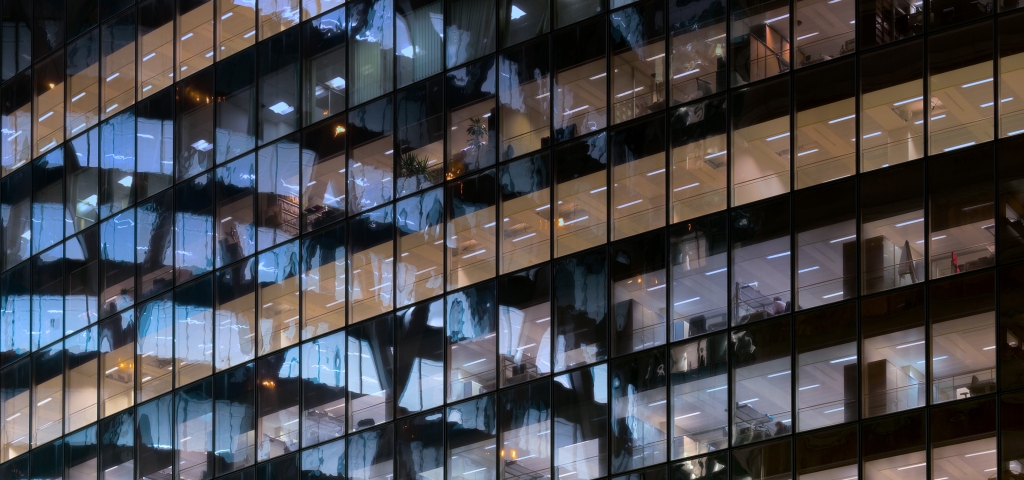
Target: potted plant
(416, 169)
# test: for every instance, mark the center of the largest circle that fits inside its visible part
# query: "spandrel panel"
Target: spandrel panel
(419, 361)
(471, 323)
(325, 462)
(371, 454)
(81, 294)
(323, 389)
(278, 66)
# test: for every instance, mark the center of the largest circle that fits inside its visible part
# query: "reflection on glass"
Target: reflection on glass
(17, 121)
(524, 320)
(638, 293)
(47, 298)
(420, 446)
(893, 352)
(117, 47)
(371, 454)
(469, 30)
(581, 80)
(420, 268)
(638, 177)
(420, 137)
(155, 344)
(699, 266)
(522, 20)
(419, 375)
(472, 435)
(156, 46)
(277, 387)
(370, 373)
(193, 227)
(83, 84)
(193, 414)
(155, 430)
(371, 49)
(525, 431)
(826, 349)
(761, 262)
(753, 463)
(1011, 63)
(826, 244)
(323, 175)
(581, 195)
(194, 37)
(470, 93)
(700, 396)
(880, 21)
(638, 61)
(278, 65)
(235, 226)
(891, 106)
(323, 282)
(760, 141)
(278, 278)
(235, 332)
(698, 49)
(762, 375)
(960, 88)
(827, 454)
(154, 237)
(48, 200)
(324, 57)
(325, 462)
(699, 159)
(371, 264)
(419, 40)
(117, 434)
(471, 229)
(194, 117)
(48, 393)
(760, 40)
(639, 406)
(234, 441)
(581, 418)
(526, 212)
(581, 310)
(525, 98)
(702, 467)
(323, 389)
(470, 324)
(235, 27)
(235, 94)
(16, 214)
(961, 221)
(80, 371)
(193, 332)
(277, 194)
(370, 158)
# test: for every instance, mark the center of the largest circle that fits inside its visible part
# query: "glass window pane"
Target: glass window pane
(234, 418)
(524, 321)
(826, 244)
(754, 463)
(638, 293)
(420, 268)
(235, 316)
(571, 11)
(638, 177)
(17, 119)
(117, 164)
(470, 437)
(371, 454)
(700, 396)
(638, 61)
(526, 212)
(638, 391)
(826, 349)
(703, 467)
(193, 227)
(522, 21)
(372, 47)
(117, 435)
(699, 161)
(960, 87)
(14, 406)
(419, 40)
(82, 160)
(892, 228)
(891, 106)
(829, 453)
(700, 289)
(155, 347)
(371, 264)
(961, 219)
(81, 297)
(312, 8)
(236, 105)
(470, 102)
(760, 141)
(18, 15)
(581, 422)
(581, 79)
(526, 430)
(47, 391)
(894, 443)
(698, 49)
(193, 332)
(323, 282)
(470, 323)
(581, 195)
(471, 230)
(154, 237)
(370, 161)
(420, 446)
(14, 314)
(893, 352)
(81, 457)
(117, 361)
(236, 187)
(963, 439)
(370, 374)
(525, 98)
(277, 197)
(48, 200)
(880, 21)
(156, 46)
(195, 126)
(16, 204)
(419, 375)
(581, 310)
(195, 36)
(470, 30)
(80, 371)
(962, 318)
(117, 41)
(824, 31)
(47, 461)
(323, 174)
(83, 84)
(278, 398)
(117, 264)
(278, 69)
(325, 462)
(825, 123)
(155, 136)
(236, 27)
(324, 57)
(323, 389)
(760, 40)
(277, 16)
(49, 104)
(278, 279)
(761, 262)
(762, 389)
(193, 414)
(420, 138)
(1011, 62)
(47, 297)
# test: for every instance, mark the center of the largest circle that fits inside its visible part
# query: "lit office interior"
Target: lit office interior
(515, 239)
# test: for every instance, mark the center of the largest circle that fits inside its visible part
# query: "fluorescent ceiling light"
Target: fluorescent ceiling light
(979, 82)
(843, 118)
(904, 102)
(770, 20)
(781, 135)
(959, 146)
(694, 299)
(777, 255)
(686, 73)
(807, 36)
(909, 222)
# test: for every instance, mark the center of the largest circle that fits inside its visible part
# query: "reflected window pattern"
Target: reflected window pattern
(761, 388)
(526, 212)
(638, 293)
(580, 422)
(524, 323)
(419, 271)
(698, 49)
(581, 310)
(323, 389)
(525, 430)
(323, 282)
(638, 406)
(699, 159)
(698, 266)
(470, 324)
(419, 375)
(370, 374)
(420, 138)
(581, 195)
(581, 79)
(638, 61)
(523, 91)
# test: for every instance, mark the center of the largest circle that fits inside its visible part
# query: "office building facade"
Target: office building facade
(512, 239)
